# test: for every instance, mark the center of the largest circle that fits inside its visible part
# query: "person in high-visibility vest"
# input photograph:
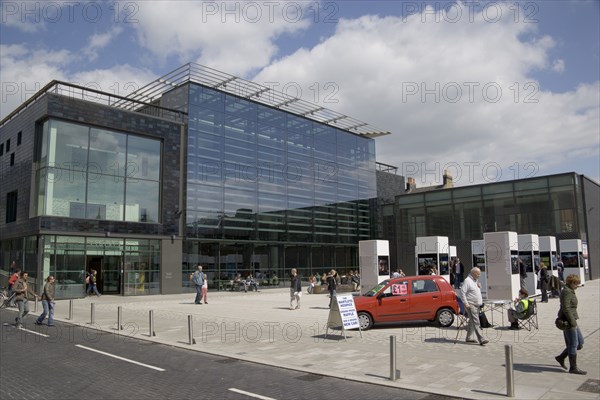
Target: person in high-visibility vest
(520, 310)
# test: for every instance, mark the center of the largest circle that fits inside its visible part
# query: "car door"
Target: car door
(425, 299)
(394, 302)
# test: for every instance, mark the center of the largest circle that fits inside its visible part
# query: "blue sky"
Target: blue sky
(490, 90)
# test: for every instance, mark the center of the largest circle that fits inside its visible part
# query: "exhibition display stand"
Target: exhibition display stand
(501, 259)
(572, 256)
(374, 257)
(432, 254)
(529, 252)
(478, 252)
(548, 253)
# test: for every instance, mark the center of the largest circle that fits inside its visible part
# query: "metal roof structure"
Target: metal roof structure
(224, 82)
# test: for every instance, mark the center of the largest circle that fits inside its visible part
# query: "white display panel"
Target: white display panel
(374, 257)
(478, 257)
(571, 254)
(548, 253)
(432, 252)
(529, 253)
(501, 255)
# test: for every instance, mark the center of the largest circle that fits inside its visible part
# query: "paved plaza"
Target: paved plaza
(260, 327)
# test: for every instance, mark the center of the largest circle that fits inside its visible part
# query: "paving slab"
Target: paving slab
(259, 327)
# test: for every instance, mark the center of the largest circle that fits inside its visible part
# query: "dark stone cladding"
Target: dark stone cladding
(19, 177)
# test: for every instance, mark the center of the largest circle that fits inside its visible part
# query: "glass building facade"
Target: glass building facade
(268, 190)
(92, 173)
(546, 206)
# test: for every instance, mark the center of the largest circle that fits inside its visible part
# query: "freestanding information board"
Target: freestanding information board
(501, 258)
(548, 254)
(571, 254)
(432, 254)
(529, 252)
(374, 256)
(478, 252)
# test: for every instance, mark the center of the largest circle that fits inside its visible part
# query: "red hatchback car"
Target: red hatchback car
(412, 298)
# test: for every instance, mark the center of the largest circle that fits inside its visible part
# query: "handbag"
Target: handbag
(483, 321)
(562, 324)
(560, 321)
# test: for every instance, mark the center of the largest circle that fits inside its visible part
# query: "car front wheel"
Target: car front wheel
(445, 317)
(365, 320)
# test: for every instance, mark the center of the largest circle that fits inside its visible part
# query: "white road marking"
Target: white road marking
(120, 358)
(258, 396)
(34, 332)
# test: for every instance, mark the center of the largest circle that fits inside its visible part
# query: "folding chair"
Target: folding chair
(461, 318)
(530, 320)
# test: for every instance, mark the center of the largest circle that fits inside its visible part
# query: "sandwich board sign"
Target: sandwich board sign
(343, 314)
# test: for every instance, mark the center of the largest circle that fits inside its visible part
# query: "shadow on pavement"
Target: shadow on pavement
(537, 368)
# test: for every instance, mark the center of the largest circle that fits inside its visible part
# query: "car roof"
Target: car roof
(422, 277)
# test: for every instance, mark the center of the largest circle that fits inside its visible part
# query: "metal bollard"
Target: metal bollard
(191, 339)
(119, 318)
(93, 317)
(35, 307)
(151, 323)
(510, 375)
(71, 310)
(393, 371)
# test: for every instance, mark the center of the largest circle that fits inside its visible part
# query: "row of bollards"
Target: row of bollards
(508, 355)
(151, 332)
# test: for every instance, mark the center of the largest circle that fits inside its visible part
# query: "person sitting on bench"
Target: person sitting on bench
(520, 310)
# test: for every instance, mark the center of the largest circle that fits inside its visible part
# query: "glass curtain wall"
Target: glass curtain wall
(271, 190)
(544, 206)
(269, 264)
(92, 173)
(124, 266)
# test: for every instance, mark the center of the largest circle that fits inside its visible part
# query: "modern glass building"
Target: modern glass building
(196, 167)
(565, 206)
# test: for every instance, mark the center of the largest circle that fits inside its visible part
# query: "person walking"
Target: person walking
(205, 290)
(458, 273)
(93, 288)
(295, 289)
(573, 336)
(470, 294)
(47, 302)
(11, 282)
(21, 289)
(560, 267)
(522, 273)
(198, 280)
(331, 285)
(544, 281)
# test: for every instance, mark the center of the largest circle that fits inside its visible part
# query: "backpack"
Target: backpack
(87, 280)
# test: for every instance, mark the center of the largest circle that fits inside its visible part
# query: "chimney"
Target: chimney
(448, 183)
(410, 184)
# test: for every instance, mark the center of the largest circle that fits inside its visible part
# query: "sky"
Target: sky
(490, 91)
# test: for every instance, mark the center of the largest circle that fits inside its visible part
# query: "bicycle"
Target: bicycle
(5, 299)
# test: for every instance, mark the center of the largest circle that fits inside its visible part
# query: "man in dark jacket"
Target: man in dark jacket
(295, 289)
(331, 285)
(22, 290)
(522, 273)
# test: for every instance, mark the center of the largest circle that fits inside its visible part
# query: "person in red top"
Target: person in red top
(11, 281)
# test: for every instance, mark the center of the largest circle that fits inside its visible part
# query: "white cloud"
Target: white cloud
(558, 66)
(25, 71)
(235, 37)
(389, 72)
(26, 16)
(99, 41)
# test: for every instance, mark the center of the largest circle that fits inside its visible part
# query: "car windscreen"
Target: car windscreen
(376, 289)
